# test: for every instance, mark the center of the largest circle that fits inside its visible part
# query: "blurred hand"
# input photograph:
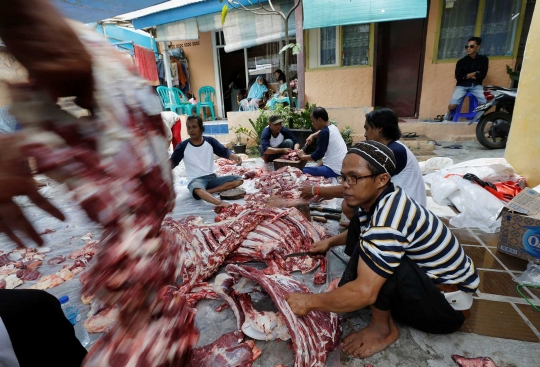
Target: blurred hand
(286, 150)
(16, 180)
(298, 303)
(236, 159)
(305, 192)
(63, 67)
(321, 247)
(301, 153)
(309, 139)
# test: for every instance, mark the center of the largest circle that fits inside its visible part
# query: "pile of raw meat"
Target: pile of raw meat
(292, 156)
(116, 164)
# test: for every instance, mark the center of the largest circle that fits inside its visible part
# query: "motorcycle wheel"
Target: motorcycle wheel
(484, 130)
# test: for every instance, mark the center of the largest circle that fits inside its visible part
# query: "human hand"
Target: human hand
(236, 159)
(300, 153)
(306, 192)
(309, 139)
(471, 75)
(298, 302)
(320, 247)
(16, 180)
(286, 150)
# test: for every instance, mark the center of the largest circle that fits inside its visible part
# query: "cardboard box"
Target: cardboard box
(520, 226)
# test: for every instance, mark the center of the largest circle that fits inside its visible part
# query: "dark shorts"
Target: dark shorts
(412, 297)
(209, 182)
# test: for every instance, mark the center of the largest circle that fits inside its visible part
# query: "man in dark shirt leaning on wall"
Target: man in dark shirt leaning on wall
(471, 71)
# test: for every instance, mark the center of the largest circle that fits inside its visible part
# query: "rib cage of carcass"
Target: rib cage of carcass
(254, 235)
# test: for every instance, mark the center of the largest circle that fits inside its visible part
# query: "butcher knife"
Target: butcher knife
(295, 254)
(325, 216)
(325, 209)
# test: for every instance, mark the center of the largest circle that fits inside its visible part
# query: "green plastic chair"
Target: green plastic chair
(206, 99)
(180, 99)
(165, 98)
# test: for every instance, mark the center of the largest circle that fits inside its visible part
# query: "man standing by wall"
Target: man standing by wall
(471, 71)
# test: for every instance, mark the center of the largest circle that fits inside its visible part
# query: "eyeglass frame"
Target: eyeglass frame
(470, 46)
(340, 179)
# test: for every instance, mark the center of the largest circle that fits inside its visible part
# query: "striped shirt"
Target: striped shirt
(398, 226)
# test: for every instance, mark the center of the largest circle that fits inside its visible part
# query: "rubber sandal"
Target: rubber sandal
(439, 118)
(455, 146)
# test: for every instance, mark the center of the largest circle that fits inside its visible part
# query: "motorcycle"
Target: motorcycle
(493, 127)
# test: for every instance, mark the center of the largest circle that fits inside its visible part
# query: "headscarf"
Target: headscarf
(377, 154)
(257, 90)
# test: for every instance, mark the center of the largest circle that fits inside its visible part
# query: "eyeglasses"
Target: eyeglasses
(352, 180)
(470, 46)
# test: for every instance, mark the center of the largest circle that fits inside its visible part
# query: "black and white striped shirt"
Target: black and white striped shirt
(398, 226)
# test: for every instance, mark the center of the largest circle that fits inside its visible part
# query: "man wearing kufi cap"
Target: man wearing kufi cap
(405, 263)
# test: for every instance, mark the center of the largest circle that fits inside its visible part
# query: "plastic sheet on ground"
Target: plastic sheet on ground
(67, 237)
(531, 275)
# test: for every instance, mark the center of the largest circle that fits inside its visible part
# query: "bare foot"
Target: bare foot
(370, 340)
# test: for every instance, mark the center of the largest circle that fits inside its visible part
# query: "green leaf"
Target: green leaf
(286, 47)
(296, 49)
(224, 12)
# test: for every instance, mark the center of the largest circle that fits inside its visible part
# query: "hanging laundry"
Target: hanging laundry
(161, 71)
(185, 86)
(174, 73)
(146, 64)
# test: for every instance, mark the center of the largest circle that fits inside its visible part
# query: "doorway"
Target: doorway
(399, 65)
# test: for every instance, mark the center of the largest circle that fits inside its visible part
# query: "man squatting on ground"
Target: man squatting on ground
(405, 263)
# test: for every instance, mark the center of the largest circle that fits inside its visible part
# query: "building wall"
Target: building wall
(523, 148)
(438, 82)
(201, 63)
(340, 87)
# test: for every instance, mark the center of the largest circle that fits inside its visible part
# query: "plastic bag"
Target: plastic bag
(531, 275)
(487, 169)
(478, 208)
(434, 164)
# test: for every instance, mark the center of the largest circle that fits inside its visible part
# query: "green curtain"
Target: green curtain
(329, 13)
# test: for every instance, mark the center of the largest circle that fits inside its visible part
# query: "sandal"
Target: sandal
(410, 135)
(439, 118)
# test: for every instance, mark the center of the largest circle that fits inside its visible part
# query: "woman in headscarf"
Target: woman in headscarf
(255, 95)
(281, 95)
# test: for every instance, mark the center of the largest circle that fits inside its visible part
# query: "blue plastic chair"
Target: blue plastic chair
(473, 103)
(206, 99)
(168, 100)
(180, 99)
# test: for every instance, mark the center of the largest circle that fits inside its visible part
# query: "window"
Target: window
(457, 26)
(495, 21)
(499, 27)
(351, 42)
(328, 46)
(355, 45)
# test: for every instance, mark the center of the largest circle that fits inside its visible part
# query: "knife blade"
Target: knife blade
(295, 254)
(325, 209)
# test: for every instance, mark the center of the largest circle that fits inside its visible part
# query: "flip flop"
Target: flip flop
(439, 118)
(410, 135)
(455, 146)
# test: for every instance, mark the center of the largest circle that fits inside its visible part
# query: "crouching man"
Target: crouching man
(198, 155)
(405, 263)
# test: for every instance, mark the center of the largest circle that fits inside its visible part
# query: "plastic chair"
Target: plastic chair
(165, 95)
(206, 99)
(180, 99)
(473, 103)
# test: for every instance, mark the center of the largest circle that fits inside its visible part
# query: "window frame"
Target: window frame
(477, 32)
(339, 50)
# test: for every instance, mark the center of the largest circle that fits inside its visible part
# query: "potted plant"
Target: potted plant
(258, 126)
(239, 147)
(346, 135)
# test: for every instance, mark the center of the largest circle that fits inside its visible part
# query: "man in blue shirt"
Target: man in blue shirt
(276, 140)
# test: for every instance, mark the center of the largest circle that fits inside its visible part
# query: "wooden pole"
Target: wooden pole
(300, 58)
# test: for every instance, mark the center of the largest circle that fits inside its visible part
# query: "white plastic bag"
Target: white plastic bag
(434, 164)
(486, 169)
(478, 208)
(531, 275)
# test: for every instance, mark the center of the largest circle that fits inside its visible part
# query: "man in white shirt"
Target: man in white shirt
(198, 155)
(331, 147)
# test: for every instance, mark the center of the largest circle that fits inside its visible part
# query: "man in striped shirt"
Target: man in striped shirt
(405, 263)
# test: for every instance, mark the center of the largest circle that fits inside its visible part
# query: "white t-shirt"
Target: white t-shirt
(409, 177)
(331, 148)
(199, 159)
(275, 142)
